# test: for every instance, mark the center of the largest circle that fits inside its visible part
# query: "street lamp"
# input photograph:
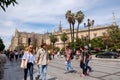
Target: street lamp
(89, 24)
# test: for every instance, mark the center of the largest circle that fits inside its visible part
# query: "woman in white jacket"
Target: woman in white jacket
(30, 58)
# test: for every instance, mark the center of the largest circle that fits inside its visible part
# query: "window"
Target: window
(95, 35)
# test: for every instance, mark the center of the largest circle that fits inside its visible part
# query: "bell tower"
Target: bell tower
(60, 27)
(114, 20)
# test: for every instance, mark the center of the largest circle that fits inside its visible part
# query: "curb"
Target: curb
(105, 59)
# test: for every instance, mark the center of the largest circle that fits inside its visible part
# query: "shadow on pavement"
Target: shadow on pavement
(54, 78)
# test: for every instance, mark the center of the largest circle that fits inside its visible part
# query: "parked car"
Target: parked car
(107, 55)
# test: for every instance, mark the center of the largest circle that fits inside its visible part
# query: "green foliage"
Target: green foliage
(64, 37)
(20, 47)
(79, 17)
(56, 49)
(97, 43)
(53, 39)
(34, 43)
(5, 3)
(114, 37)
(2, 46)
(63, 51)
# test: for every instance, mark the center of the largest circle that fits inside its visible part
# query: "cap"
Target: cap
(86, 47)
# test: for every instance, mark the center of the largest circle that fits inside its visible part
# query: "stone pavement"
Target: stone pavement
(104, 69)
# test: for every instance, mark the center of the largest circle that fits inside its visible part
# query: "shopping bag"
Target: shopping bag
(24, 63)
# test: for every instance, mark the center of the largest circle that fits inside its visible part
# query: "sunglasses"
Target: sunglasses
(31, 47)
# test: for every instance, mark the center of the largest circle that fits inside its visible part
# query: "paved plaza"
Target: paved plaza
(104, 69)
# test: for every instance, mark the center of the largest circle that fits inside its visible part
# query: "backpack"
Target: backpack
(72, 55)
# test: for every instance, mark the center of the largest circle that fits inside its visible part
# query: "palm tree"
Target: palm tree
(68, 16)
(79, 17)
(53, 39)
(5, 3)
(73, 23)
(64, 38)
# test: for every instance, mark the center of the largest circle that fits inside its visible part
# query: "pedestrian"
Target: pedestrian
(42, 60)
(53, 54)
(68, 60)
(58, 54)
(77, 54)
(11, 56)
(88, 58)
(83, 62)
(49, 54)
(16, 55)
(3, 59)
(30, 58)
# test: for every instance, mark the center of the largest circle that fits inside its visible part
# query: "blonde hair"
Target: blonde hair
(30, 46)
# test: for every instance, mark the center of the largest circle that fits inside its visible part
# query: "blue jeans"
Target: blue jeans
(30, 68)
(68, 64)
(88, 67)
(42, 71)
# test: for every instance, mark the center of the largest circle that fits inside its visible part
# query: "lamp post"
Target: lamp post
(89, 24)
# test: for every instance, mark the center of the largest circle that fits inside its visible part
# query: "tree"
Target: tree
(64, 38)
(53, 39)
(73, 27)
(79, 17)
(5, 3)
(2, 46)
(71, 19)
(68, 16)
(20, 47)
(97, 42)
(114, 36)
(35, 45)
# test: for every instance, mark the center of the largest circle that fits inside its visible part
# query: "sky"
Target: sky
(41, 16)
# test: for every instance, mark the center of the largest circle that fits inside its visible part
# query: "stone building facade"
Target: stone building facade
(21, 38)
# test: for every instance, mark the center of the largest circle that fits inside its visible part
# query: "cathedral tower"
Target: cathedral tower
(114, 20)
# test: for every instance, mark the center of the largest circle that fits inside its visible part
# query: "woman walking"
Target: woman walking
(30, 58)
(83, 62)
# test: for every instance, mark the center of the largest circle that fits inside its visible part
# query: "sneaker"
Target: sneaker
(36, 78)
(82, 75)
(91, 70)
(73, 71)
(66, 72)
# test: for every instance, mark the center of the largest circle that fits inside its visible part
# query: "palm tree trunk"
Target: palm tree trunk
(71, 31)
(64, 44)
(73, 34)
(77, 31)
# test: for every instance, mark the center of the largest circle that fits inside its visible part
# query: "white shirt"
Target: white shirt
(30, 57)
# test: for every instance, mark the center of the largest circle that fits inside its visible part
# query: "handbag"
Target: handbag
(24, 63)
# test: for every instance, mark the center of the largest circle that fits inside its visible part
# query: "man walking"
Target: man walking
(68, 60)
(42, 60)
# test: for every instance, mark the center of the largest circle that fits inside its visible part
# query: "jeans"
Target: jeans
(83, 66)
(68, 64)
(42, 71)
(30, 68)
(88, 67)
